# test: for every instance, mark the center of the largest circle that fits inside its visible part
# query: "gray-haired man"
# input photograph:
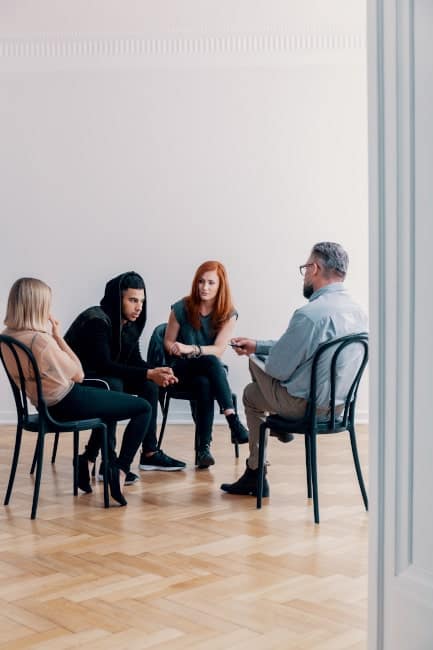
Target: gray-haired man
(281, 383)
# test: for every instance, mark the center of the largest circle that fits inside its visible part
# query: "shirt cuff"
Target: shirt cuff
(263, 347)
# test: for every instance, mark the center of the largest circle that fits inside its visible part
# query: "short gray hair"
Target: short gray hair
(333, 257)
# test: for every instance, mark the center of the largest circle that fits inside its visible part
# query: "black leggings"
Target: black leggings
(206, 378)
(84, 402)
(146, 389)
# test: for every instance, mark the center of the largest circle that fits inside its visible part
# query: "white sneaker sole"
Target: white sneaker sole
(157, 468)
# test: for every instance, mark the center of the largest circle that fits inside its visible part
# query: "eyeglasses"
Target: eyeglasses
(303, 268)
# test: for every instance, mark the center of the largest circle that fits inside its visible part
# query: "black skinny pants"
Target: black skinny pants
(149, 391)
(84, 402)
(206, 378)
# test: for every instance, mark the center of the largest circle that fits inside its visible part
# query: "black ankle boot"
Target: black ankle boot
(238, 432)
(247, 484)
(114, 483)
(83, 474)
(204, 458)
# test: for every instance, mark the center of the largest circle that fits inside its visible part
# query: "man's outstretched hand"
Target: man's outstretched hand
(243, 346)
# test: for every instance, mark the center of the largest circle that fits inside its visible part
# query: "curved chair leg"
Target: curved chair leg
(39, 461)
(313, 446)
(55, 445)
(104, 451)
(193, 405)
(164, 419)
(75, 462)
(235, 404)
(35, 457)
(18, 438)
(358, 465)
(261, 468)
(308, 463)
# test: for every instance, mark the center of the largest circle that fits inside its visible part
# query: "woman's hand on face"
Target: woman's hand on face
(177, 349)
(55, 325)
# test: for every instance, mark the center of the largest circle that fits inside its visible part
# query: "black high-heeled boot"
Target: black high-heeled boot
(203, 457)
(114, 483)
(83, 474)
(238, 432)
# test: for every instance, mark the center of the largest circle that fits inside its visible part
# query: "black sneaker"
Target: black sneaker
(247, 484)
(130, 479)
(160, 461)
(238, 432)
(203, 458)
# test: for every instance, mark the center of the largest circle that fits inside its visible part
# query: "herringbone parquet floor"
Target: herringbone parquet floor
(185, 566)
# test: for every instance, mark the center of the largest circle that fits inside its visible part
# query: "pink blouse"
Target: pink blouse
(56, 366)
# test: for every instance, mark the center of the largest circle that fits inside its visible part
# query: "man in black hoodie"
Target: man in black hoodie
(106, 340)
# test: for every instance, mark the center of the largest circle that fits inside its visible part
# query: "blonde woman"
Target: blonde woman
(29, 320)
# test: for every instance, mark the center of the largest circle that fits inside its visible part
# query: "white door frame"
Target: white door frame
(401, 234)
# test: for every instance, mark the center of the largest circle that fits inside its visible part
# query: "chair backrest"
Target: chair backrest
(334, 349)
(20, 354)
(155, 352)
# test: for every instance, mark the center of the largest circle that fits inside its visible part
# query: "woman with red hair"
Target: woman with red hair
(198, 331)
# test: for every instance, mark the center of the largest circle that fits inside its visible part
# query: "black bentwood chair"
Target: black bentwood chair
(90, 382)
(167, 394)
(156, 357)
(41, 422)
(337, 419)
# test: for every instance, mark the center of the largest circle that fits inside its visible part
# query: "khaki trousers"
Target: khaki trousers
(266, 395)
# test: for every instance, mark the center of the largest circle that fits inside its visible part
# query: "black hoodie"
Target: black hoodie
(105, 347)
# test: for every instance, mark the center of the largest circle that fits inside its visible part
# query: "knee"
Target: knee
(214, 369)
(213, 363)
(249, 397)
(143, 406)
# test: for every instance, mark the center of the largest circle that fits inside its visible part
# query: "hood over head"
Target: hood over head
(111, 303)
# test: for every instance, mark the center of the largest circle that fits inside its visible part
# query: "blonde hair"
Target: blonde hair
(28, 305)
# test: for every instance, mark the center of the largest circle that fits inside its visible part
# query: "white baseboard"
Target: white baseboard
(362, 417)
(176, 416)
(8, 417)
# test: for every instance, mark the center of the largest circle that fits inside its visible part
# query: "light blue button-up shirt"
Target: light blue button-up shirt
(329, 314)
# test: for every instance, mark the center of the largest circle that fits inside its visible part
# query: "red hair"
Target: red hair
(223, 307)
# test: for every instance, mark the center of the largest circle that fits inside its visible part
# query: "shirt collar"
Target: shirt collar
(329, 288)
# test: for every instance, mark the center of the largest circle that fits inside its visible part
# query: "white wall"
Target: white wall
(155, 135)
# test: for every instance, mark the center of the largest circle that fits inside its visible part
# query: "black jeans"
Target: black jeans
(84, 402)
(148, 391)
(206, 378)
